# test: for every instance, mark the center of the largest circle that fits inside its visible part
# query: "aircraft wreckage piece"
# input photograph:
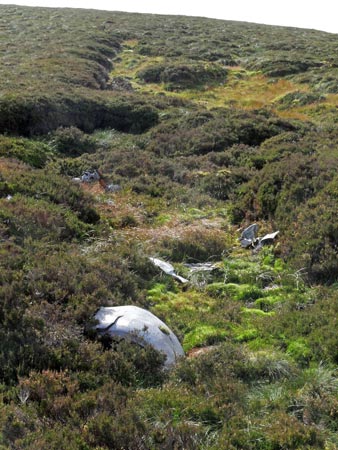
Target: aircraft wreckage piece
(89, 177)
(201, 267)
(168, 269)
(249, 238)
(139, 326)
(268, 239)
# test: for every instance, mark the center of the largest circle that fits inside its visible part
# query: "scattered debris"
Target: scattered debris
(89, 177)
(168, 269)
(107, 187)
(268, 239)
(271, 288)
(201, 267)
(139, 326)
(96, 175)
(249, 238)
(112, 187)
(9, 197)
(200, 273)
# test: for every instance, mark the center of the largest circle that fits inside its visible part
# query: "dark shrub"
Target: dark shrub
(184, 76)
(40, 114)
(39, 219)
(275, 67)
(197, 246)
(298, 98)
(34, 153)
(72, 141)
(46, 185)
(213, 131)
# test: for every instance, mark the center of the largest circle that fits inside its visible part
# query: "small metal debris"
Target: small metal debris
(201, 267)
(113, 188)
(96, 175)
(249, 238)
(268, 239)
(272, 287)
(89, 177)
(168, 269)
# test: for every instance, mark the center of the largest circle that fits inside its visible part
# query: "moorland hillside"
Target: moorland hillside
(194, 129)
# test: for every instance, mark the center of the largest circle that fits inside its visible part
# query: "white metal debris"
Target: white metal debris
(89, 177)
(249, 238)
(201, 267)
(139, 326)
(168, 269)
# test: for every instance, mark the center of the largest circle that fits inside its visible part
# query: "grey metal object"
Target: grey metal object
(249, 236)
(89, 177)
(168, 269)
(113, 187)
(268, 239)
(201, 267)
(140, 326)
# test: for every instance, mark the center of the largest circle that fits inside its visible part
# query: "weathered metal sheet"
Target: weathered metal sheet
(139, 326)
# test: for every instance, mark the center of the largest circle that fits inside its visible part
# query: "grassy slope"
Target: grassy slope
(243, 88)
(256, 146)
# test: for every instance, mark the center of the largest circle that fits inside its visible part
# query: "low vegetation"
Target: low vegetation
(200, 127)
